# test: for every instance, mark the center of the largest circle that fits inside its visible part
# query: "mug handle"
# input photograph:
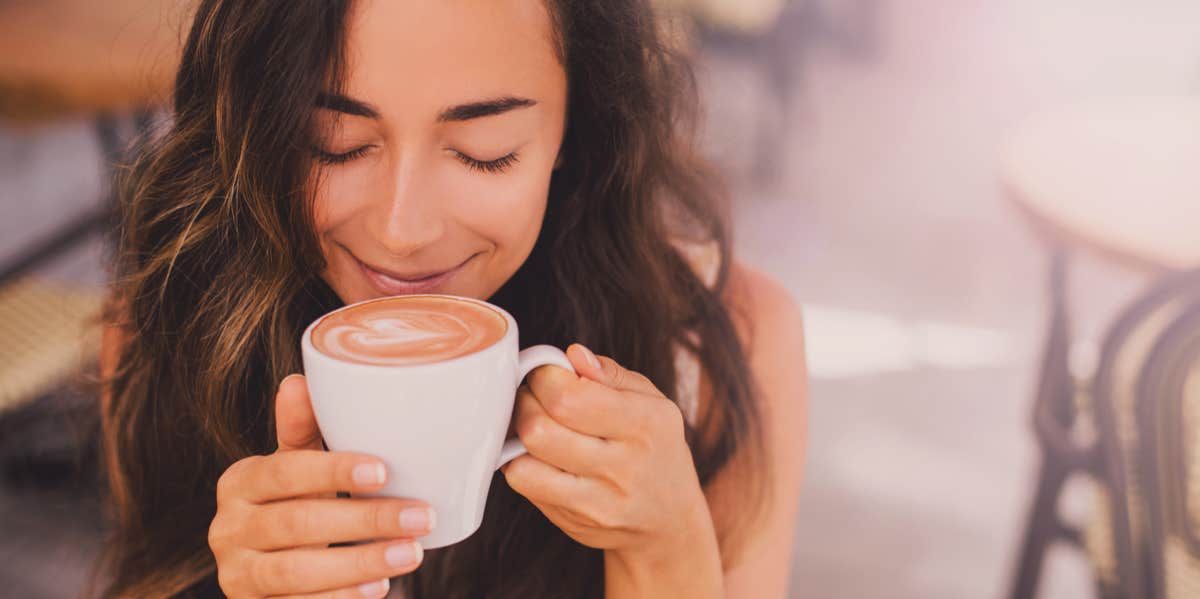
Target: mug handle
(527, 360)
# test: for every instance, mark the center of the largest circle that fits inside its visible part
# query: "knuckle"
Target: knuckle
(605, 518)
(613, 514)
(227, 580)
(218, 534)
(376, 517)
(294, 522)
(267, 571)
(620, 377)
(214, 539)
(588, 515)
(532, 431)
(368, 560)
(610, 471)
(228, 481)
(562, 404)
(223, 484)
(515, 472)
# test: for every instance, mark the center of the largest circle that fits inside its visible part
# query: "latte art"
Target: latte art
(408, 330)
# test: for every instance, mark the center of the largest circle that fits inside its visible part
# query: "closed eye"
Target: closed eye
(331, 158)
(498, 165)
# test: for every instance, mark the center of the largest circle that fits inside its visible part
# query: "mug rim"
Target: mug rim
(511, 331)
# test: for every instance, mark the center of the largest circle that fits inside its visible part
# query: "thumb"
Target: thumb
(608, 372)
(295, 423)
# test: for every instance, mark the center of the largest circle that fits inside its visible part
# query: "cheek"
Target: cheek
(506, 209)
(336, 199)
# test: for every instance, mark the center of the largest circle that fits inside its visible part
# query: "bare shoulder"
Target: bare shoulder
(768, 318)
(770, 325)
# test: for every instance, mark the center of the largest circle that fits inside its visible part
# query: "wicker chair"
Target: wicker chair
(1141, 408)
(1124, 541)
(46, 327)
(49, 338)
(1168, 453)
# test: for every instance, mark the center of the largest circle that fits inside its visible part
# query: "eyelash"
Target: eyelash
(329, 158)
(498, 165)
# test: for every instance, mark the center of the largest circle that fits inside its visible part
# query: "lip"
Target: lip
(397, 284)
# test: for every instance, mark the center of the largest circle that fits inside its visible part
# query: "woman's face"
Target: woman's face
(435, 165)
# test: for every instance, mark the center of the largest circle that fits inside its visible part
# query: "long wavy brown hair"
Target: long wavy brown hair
(216, 279)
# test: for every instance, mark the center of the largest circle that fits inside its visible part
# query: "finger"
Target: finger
(324, 570)
(585, 362)
(295, 422)
(550, 379)
(286, 524)
(301, 472)
(589, 407)
(607, 371)
(545, 484)
(376, 589)
(556, 444)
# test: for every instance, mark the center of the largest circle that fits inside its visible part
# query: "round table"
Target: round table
(84, 57)
(1119, 179)
(1119, 176)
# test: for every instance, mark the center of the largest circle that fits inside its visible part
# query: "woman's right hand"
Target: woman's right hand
(277, 514)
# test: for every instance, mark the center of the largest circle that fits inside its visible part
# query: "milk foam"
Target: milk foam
(409, 330)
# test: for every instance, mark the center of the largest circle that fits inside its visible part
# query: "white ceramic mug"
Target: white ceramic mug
(439, 426)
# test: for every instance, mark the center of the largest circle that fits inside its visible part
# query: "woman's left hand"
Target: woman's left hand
(607, 461)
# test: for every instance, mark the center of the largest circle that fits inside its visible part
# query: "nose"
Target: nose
(409, 219)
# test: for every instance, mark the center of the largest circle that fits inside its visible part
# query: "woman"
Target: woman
(324, 152)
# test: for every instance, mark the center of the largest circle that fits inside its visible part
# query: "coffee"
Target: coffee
(407, 330)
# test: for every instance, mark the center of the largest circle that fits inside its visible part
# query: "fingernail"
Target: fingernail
(417, 518)
(592, 360)
(374, 589)
(369, 474)
(284, 379)
(403, 554)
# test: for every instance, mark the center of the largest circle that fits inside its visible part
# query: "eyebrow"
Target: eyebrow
(462, 112)
(340, 103)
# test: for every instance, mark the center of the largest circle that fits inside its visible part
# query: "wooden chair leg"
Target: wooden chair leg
(1053, 417)
(1041, 530)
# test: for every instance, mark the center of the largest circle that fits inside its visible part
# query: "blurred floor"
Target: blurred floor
(50, 540)
(924, 293)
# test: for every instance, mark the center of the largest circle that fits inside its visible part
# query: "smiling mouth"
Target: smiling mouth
(391, 283)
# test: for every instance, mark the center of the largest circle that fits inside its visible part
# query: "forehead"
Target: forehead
(420, 55)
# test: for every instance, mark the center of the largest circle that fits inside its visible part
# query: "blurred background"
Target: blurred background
(988, 209)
